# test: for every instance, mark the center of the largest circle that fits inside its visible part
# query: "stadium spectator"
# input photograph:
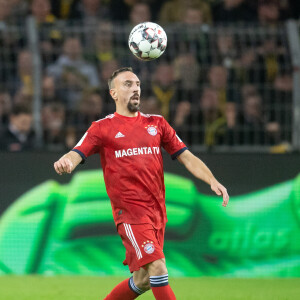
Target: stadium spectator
(248, 90)
(229, 11)
(10, 43)
(246, 67)
(88, 12)
(62, 8)
(204, 116)
(120, 9)
(210, 118)
(23, 81)
(218, 80)
(53, 121)
(140, 12)
(21, 97)
(224, 49)
(196, 15)
(164, 89)
(278, 110)
(268, 12)
(183, 111)
(232, 134)
(19, 9)
(271, 60)
(49, 92)
(18, 135)
(106, 69)
(5, 108)
(102, 48)
(190, 11)
(90, 109)
(5, 13)
(41, 10)
(72, 73)
(253, 121)
(49, 35)
(192, 36)
(187, 74)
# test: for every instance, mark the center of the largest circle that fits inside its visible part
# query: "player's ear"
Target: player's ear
(113, 94)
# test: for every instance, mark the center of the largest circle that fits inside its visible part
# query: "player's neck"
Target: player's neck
(126, 113)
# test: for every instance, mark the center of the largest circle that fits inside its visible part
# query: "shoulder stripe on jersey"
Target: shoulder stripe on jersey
(107, 117)
(150, 115)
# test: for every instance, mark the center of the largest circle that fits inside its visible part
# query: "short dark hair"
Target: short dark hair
(115, 74)
(19, 109)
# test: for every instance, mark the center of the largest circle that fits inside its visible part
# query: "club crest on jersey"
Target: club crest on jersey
(148, 247)
(151, 130)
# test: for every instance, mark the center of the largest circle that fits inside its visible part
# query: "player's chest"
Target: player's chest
(141, 135)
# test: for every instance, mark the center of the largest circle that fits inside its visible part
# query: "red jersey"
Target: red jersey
(130, 151)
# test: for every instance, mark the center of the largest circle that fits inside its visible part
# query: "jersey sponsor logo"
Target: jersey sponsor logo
(148, 247)
(152, 130)
(119, 135)
(137, 151)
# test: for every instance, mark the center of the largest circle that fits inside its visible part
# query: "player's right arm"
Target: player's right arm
(67, 163)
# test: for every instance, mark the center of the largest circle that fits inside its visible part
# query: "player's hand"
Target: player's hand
(63, 165)
(220, 190)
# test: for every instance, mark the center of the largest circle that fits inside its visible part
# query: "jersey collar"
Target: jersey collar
(128, 119)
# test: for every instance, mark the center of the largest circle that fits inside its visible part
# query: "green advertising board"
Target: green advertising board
(68, 229)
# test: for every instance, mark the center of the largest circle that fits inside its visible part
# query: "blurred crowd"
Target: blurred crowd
(225, 78)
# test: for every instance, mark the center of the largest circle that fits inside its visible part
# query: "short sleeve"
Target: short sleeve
(170, 140)
(90, 143)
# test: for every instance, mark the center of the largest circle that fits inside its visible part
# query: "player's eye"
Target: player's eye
(127, 83)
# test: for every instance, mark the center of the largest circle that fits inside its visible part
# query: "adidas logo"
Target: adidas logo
(119, 135)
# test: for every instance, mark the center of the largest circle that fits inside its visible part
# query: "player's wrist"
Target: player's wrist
(212, 181)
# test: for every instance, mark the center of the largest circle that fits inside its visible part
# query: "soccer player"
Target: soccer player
(129, 143)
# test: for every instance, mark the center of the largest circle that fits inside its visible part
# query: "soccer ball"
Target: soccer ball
(147, 41)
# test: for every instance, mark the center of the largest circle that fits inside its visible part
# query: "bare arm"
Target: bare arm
(67, 163)
(201, 171)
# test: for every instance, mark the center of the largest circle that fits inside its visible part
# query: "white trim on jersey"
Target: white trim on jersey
(150, 115)
(179, 139)
(81, 140)
(107, 117)
(131, 237)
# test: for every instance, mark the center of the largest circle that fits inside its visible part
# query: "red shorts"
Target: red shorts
(143, 243)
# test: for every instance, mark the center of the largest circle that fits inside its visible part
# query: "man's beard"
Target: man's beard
(133, 107)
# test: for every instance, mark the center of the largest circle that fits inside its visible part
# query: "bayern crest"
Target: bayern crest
(149, 248)
(152, 130)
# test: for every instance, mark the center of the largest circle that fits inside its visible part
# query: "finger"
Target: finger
(57, 169)
(225, 198)
(65, 166)
(61, 166)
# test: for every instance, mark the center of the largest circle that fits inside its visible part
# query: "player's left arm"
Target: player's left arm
(198, 168)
